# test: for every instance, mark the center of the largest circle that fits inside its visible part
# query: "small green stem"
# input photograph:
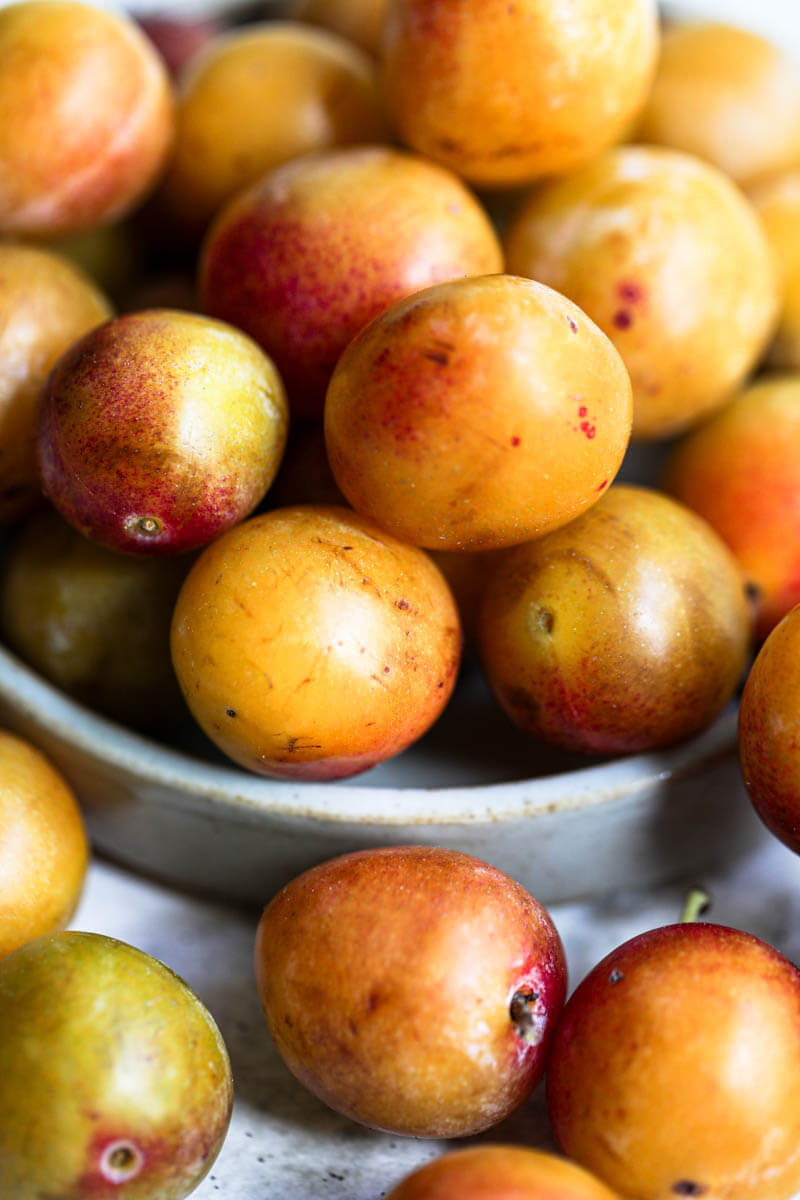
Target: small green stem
(696, 903)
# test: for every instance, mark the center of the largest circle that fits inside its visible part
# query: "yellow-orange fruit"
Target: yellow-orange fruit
(727, 95)
(506, 93)
(500, 1172)
(46, 304)
(309, 644)
(43, 847)
(86, 116)
(740, 470)
(777, 202)
(646, 1086)
(477, 414)
(670, 260)
(257, 97)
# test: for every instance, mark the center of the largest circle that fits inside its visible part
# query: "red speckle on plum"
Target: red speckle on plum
(583, 411)
(589, 429)
(622, 319)
(515, 441)
(572, 324)
(604, 484)
(630, 291)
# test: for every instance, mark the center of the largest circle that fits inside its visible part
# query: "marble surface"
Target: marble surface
(284, 1143)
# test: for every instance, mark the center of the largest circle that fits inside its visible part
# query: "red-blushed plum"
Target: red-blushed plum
(412, 988)
(500, 1172)
(259, 96)
(309, 644)
(625, 630)
(507, 93)
(159, 429)
(727, 95)
(671, 261)
(675, 1068)
(769, 731)
(44, 849)
(86, 116)
(477, 414)
(320, 246)
(740, 470)
(114, 1079)
(46, 303)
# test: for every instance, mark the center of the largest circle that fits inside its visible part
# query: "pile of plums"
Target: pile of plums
(322, 343)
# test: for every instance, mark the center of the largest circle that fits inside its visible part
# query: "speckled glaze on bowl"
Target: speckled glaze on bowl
(562, 829)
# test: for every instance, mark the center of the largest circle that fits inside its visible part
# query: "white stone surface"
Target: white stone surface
(285, 1145)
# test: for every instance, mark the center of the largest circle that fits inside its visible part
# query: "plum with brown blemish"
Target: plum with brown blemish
(311, 90)
(460, 86)
(739, 471)
(333, 644)
(728, 95)
(86, 116)
(160, 429)
(769, 719)
(414, 989)
(500, 1172)
(675, 1068)
(318, 247)
(453, 419)
(115, 1079)
(46, 303)
(625, 630)
(670, 259)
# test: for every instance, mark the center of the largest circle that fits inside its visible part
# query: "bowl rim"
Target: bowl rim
(185, 781)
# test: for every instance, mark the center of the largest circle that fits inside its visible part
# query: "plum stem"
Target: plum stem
(696, 903)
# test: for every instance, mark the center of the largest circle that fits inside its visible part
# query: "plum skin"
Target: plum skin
(769, 715)
(160, 429)
(645, 1082)
(398, 1015)
(114, 1079)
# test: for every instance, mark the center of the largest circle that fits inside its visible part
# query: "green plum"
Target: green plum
(114, 1079)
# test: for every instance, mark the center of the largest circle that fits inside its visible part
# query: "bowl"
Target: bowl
(565, 829)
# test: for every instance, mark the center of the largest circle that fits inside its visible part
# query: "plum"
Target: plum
(360, 21)
(94, 622)
(671, 261)
(625, 630)
(46, 303)
(309, 644)
(320, 246)
(114, 1078)
(477, 414)
(310, 89)
(777, 202)
(500, 1172)
(86, 116)
(740, 470)
(675, 1067)
(412, 988)
(769, 718)
(43, 849)
(160, 429)
(727, 95)
(507, 93)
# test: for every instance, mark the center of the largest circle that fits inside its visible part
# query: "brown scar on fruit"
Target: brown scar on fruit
(687, 1187)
